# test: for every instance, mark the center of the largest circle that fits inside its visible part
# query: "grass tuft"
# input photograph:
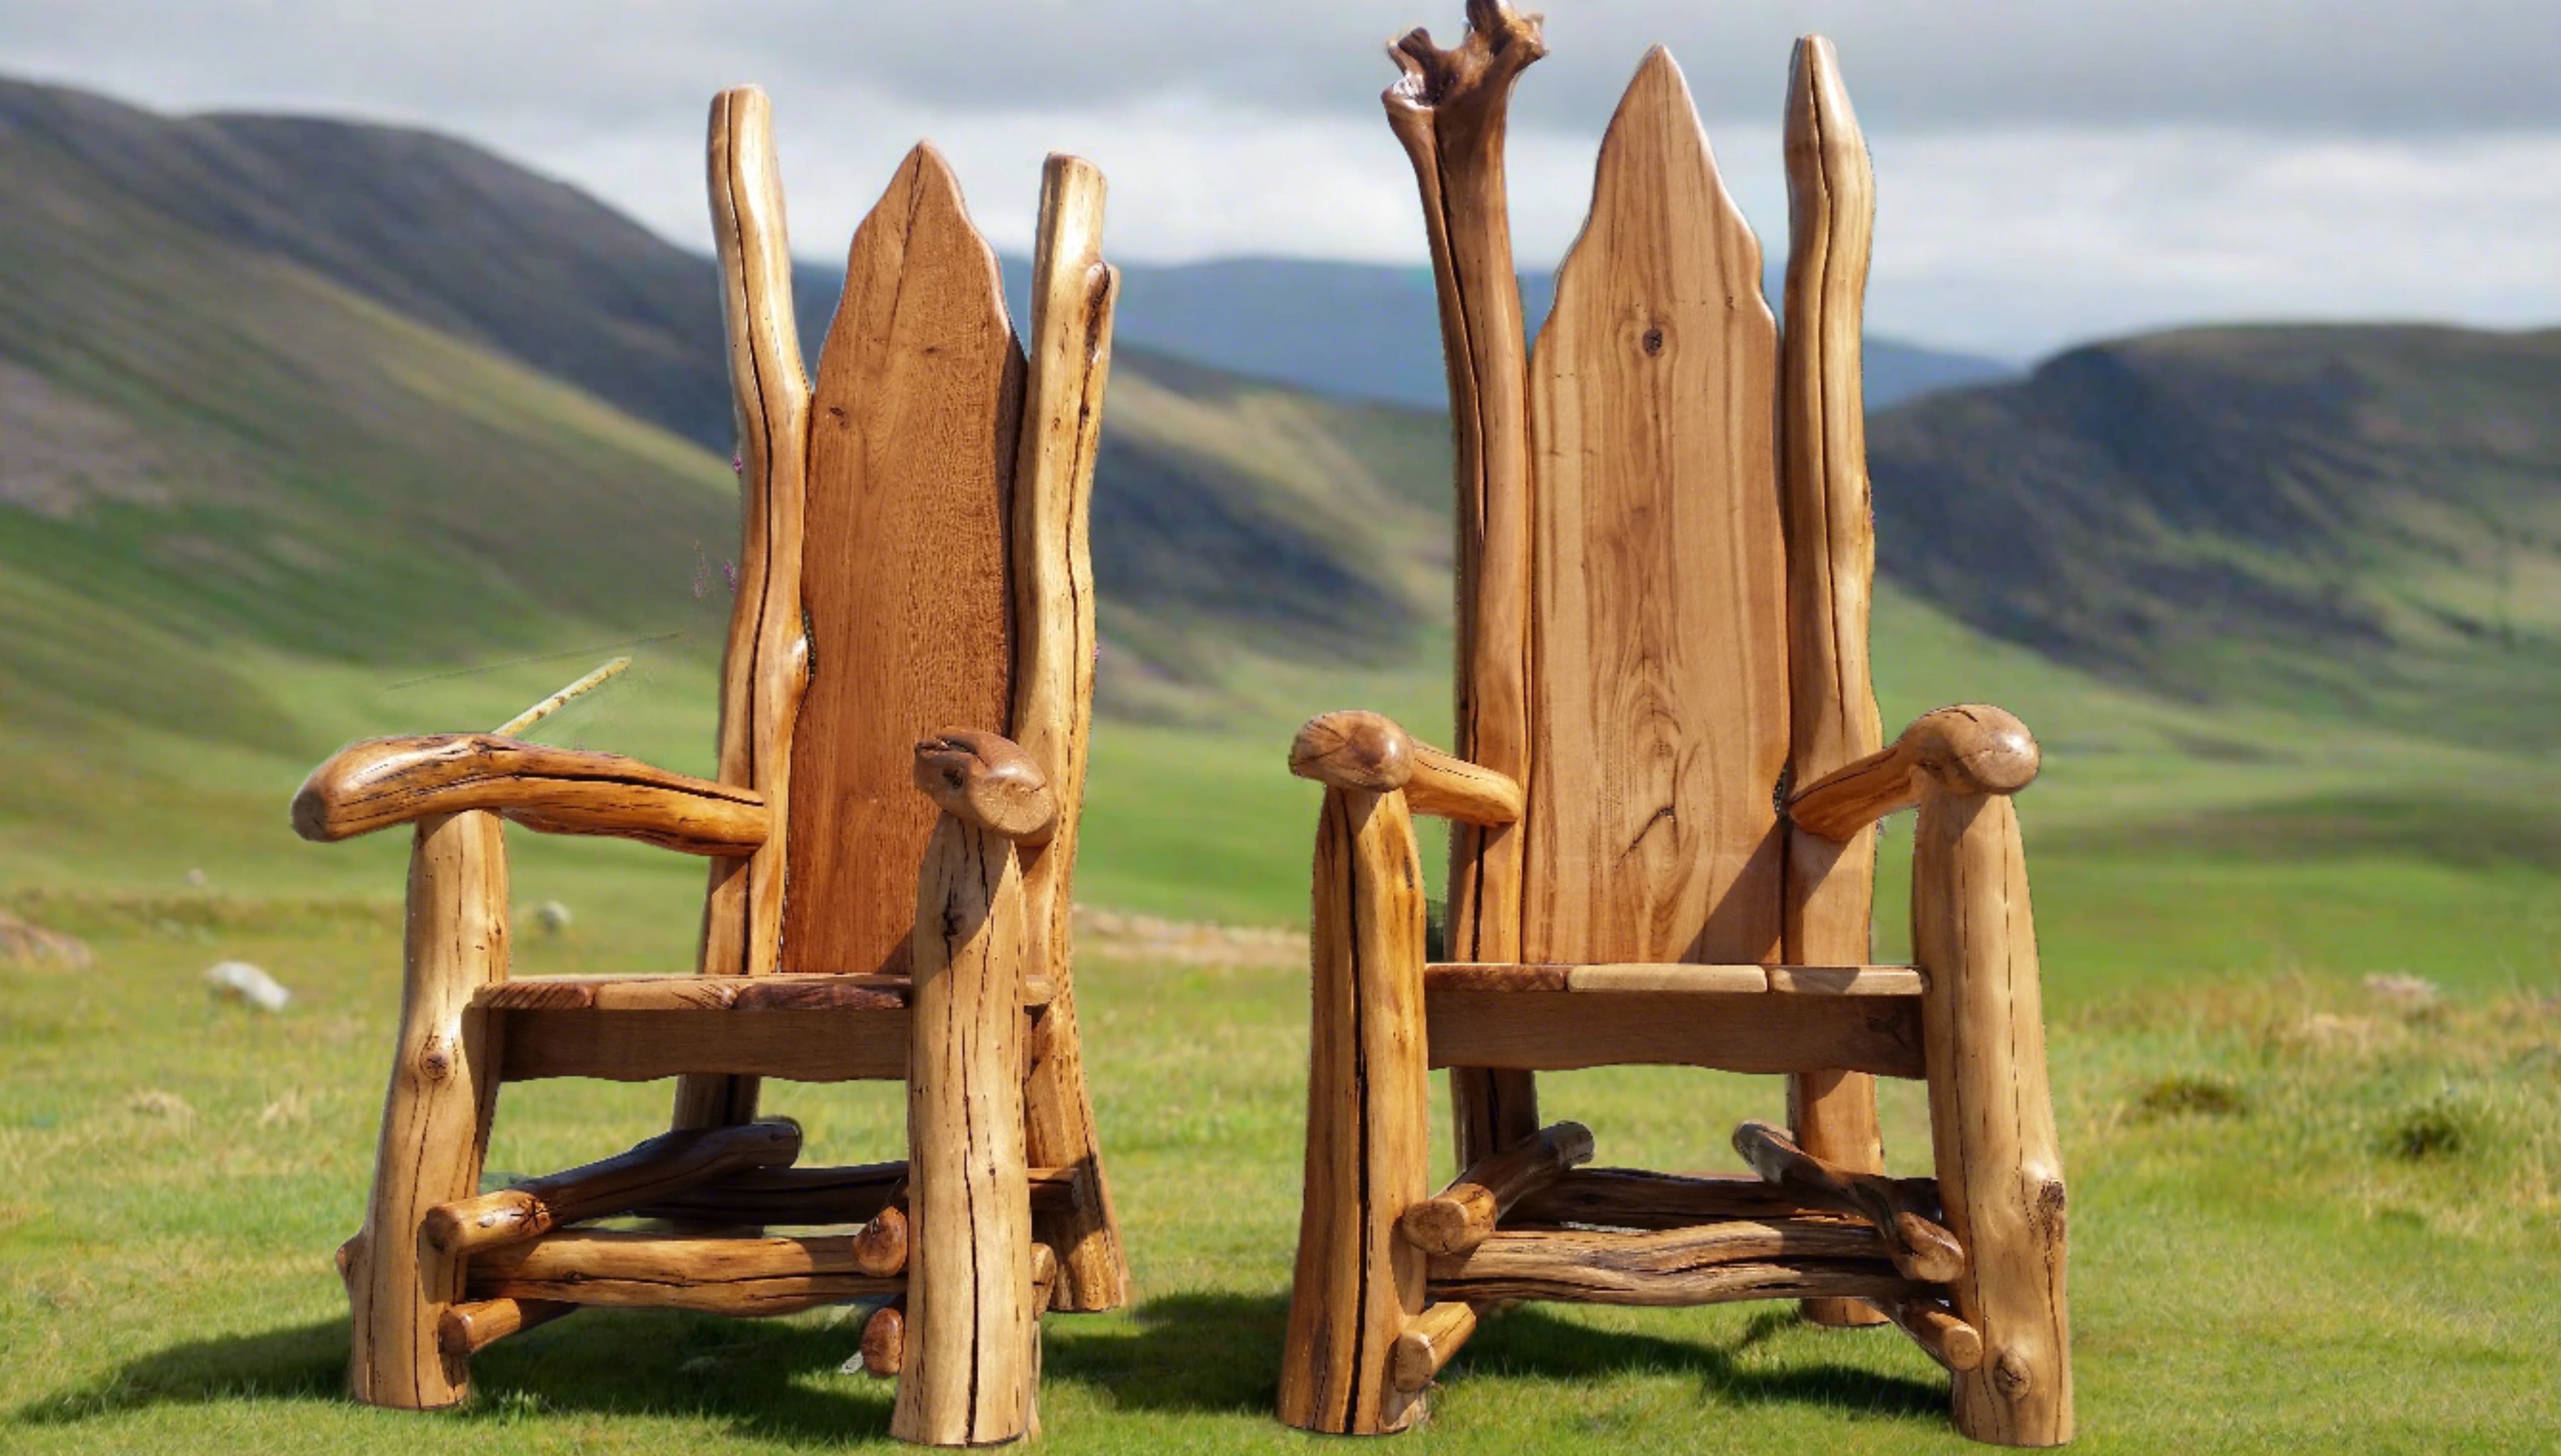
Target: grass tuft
(2186, 1094)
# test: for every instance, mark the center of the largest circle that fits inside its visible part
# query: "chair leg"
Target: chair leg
(1359, 1284)
(972, 1346)
(1991, 1116)
(1093, 1273)
(436, 1115)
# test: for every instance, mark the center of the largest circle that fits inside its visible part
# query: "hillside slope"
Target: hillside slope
(2350, 520)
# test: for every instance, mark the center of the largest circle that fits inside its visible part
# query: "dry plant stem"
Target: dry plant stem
(765, 665)
(1464, 1214)
(1919, 1248)
(1831, 565)
(1430, 1341)
(562, 699)
(469, 1329)
(436, 1115)
(1991, 1114)
(1358, 1285)
(1451, 109)
(386, 781)
(971, 1340)
(1074, 293)
(663, 1165)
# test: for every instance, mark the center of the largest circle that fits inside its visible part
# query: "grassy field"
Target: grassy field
(2306, 1213)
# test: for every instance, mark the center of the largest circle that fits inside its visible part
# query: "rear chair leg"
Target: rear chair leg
(1991, 1116)
(1359, 1284)
(436, 1116)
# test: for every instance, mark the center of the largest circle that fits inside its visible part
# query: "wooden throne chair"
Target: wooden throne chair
(1667, 771)
(908, 682)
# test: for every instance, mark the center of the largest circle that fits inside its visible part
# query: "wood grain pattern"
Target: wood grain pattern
(1628, 1198)
(1991, 1115)
(645, 1046)
(1702, 979)
(1451, 109)
(987, 780)
(664, 1165)
(381, 782)
(1906, 1218)
(1831, 563)
(972, 1356)
(913, 439)
(469, 1328)
(1073, 294)
(1659, 713)
(436, 1115)
(700, 993)
(1430, 1341)
(723, 1276)
(1464, 1214)
(1560, 1031)
(1936, 1329)
(1358, 1285)
(1706, 1263)
(1352, 750)
(1971, 748)
(883, 1347)
(792, 1196)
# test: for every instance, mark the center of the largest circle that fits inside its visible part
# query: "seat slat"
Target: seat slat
(1549, 1030)
(1684, 979)
(1706, 1263)
(715, 992)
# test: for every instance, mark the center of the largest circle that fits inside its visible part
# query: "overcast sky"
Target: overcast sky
(2047, 172)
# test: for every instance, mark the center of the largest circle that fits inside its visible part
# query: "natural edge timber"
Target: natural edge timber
(1708, 1263)
(1632, 1197)
(1430, 1341)
(987, 780)
(1971, 749)
(1936, 1329)
(831, 1196)
(469, 1328)
(665, 1164)
(771, 1275)
(1352, 750)
(1464, 1214)
(1913, 1239)
(381, 782)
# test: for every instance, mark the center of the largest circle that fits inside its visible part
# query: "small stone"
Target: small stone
(238, 980)
(553, 917)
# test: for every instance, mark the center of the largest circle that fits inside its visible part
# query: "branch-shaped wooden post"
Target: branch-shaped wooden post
(764, 667)
(1451, 108)
(1831, 563)
(1991, 1114)
(436, 1115)
(967, 1370)
(663, 1166)
(1358, 1286)
(1074, 293)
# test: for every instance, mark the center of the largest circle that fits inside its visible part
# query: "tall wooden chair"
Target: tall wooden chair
(916, 584)
(1668, 769)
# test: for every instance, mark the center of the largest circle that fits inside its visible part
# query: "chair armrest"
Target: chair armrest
(1351, 749)
(986, 779)
(1972, 748)
(381, 782)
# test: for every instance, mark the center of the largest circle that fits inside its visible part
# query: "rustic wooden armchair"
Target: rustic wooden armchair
(1667, 773)
(916, 584)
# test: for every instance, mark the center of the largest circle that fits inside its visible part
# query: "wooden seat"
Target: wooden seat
(1662, 796)
(905, 700)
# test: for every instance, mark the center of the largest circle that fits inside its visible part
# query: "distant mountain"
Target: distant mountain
(2359, 520)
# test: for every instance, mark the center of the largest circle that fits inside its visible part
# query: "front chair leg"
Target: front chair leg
(436, 1115)
(971, 1342)
(1991, 1116)
(1359, 1284)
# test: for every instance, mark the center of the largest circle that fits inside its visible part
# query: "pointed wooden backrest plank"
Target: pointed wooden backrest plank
(1658, 713)
(911, 449)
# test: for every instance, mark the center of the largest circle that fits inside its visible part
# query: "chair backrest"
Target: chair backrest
(924, 524)
(1669, 564)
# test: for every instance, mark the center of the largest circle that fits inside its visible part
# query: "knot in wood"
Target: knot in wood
(2011, 1373)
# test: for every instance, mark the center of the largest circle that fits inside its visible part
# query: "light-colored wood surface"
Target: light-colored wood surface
(700, 993)
(1559, 1031)
(1991, 1114)
(1936, 1329)
(1971, 749)
(1358, 1285)
(1628, 1198)
(911, 449)
(381, 782)
(644, 1046)
(1430, 1341)
(1706, 1263)
(469, 1328)
(662, 1167)
(722, 1276)
(1074, 293)
(1697, 979)
(1920, 1247)
(1451, 108)
(1832, 566)
(1659, 713)
(1464, 1214)
(988, 781)
(1352, 750)
(587, 683)
(804, 1196)
(435, 1114)
(971, 1342)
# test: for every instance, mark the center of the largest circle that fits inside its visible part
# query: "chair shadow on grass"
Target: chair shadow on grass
(777, 1380)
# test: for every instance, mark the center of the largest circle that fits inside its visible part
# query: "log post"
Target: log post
(968, 1372)
(1991, 1114)
(1832, 562)
(1451, 109)
(1358, 1286)
(436, 1115)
